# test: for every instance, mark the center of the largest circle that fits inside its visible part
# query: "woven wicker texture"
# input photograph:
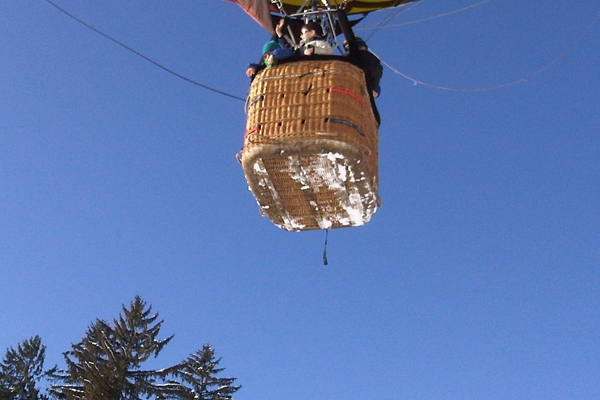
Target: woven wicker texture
(310, 150)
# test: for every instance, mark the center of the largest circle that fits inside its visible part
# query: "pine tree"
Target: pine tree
(200, 371)
(21, 370)
(106, 364)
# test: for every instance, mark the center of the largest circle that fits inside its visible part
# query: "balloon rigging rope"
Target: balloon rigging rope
(143, 56)
(428, 18)
(524, 79)
(385, 21)
(380, 26)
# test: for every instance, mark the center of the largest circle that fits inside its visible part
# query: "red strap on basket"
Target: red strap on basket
(348, 92)
(251, 131)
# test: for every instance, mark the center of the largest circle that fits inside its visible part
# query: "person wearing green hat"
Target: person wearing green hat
(266, 60)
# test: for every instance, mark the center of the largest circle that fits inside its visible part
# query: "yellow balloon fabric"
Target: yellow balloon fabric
(352, 6)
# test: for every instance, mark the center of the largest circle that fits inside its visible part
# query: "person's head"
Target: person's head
(309, 30)
(268, 50)
(361, 44)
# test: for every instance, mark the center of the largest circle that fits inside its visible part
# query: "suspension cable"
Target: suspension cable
(143, 56)
(428, 18)
(503, 85)
(385, 21)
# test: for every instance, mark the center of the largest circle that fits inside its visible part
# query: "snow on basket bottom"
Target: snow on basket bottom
(321, 185)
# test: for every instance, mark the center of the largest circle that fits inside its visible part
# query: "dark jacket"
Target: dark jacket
(372, 67)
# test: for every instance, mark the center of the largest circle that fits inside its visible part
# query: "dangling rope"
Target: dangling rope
(325, 247)
(524, 79)
(143, 56)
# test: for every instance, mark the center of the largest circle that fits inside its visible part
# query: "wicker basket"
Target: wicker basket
(310, 149)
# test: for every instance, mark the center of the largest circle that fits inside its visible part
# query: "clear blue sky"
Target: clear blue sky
(479, 278)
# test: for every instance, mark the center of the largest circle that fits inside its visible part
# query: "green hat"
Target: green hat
(270, 46)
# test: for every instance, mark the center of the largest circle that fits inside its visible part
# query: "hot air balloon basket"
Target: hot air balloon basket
(310, 149)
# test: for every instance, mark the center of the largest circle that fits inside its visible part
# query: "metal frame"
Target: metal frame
(322, 11)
